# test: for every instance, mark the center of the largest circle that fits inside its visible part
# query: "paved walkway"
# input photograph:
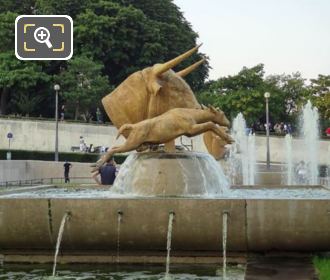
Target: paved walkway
(280, 268)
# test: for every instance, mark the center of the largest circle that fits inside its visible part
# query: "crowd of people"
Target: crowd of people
(83, 147)
(282, 128)
(279, 128)
(98, 114)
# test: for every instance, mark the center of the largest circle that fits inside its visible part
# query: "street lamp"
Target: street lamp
(56, 88)
(267, 96)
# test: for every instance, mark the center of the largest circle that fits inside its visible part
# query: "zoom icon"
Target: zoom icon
(39, 36)
(43, 37)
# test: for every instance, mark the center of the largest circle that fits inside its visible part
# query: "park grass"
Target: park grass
(322, 266)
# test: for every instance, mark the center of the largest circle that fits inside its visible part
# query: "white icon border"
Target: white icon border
(40, 58)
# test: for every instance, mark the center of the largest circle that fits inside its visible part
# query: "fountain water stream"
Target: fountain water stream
(310, 133)
(242, 158)
(119, 220)
(304, 170)
(168, 174)
(169, 241)
(59, 239)
(289, 160)
(224, 243)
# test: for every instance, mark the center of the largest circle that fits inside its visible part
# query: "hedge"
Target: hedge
(49, 156)
(85, 157)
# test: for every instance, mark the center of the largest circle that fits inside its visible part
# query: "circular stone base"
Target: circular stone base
(170, 174)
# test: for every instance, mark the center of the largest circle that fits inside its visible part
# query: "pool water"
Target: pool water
(102, 272)
(306, 192)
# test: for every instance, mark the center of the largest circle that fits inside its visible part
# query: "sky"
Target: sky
(285, 35)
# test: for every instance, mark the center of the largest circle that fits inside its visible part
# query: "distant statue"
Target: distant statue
(168, 126)
(301, 172)
(152, 92)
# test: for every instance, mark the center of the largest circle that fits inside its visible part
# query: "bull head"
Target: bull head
(159, 69)
(151, 92)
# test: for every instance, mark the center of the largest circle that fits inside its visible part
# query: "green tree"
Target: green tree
(83, 85)
(26, 103)
(18, 77)
(240, 93)
(294, 91)
(7, 26)
(22, 7)
(244, 93)
(122, 36)
(320, 95)
(61, 7)
(127, 36)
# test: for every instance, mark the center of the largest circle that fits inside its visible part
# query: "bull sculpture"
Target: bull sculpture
(151, 92)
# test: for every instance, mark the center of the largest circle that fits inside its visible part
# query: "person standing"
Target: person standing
(98, 115)
(82, 144)
(67, 167)
(107, 173)
(62, 113)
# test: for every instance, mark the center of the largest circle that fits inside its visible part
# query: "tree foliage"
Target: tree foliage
(114, 38)
(320, 95)
(83, 85)
(244, 93)
(19, 78)
(120, 36)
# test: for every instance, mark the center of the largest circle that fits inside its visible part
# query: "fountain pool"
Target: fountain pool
(102, 272)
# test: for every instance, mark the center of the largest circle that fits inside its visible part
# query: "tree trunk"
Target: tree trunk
(76, 114)
(3, 101)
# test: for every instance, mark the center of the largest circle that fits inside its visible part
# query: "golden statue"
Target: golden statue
(149, 96)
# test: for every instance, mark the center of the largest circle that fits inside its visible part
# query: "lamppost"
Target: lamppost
(56, 88)
(267, 95)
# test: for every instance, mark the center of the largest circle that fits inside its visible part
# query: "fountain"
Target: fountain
(289, 160)
(171, 174)
(120, 217)
(304, 170)
(310, 133)
(158, 180)
(242, 162)
(59, 239)
(224, 243)
(168, 246)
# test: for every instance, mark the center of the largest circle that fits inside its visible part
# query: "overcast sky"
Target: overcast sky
(286, 35)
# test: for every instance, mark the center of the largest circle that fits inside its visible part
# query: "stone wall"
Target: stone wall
(254, 225)
(13, 170)
(40, 136)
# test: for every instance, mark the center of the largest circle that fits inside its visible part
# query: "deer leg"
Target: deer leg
(170, 146)
(126, 147)
(203, 127)
(200, 128)
(221, 131)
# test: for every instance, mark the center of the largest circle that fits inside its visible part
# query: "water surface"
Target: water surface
(102, 272)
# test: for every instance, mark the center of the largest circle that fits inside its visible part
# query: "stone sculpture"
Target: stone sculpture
(215, 145)
(170, 125)
(151, 92)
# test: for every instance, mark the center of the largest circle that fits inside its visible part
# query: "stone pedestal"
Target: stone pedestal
(171, 174)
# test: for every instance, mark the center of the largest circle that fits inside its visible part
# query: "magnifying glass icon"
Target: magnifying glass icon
(41, 35)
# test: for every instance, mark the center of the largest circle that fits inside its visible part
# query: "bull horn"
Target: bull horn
(189, 69)
(162, 68)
